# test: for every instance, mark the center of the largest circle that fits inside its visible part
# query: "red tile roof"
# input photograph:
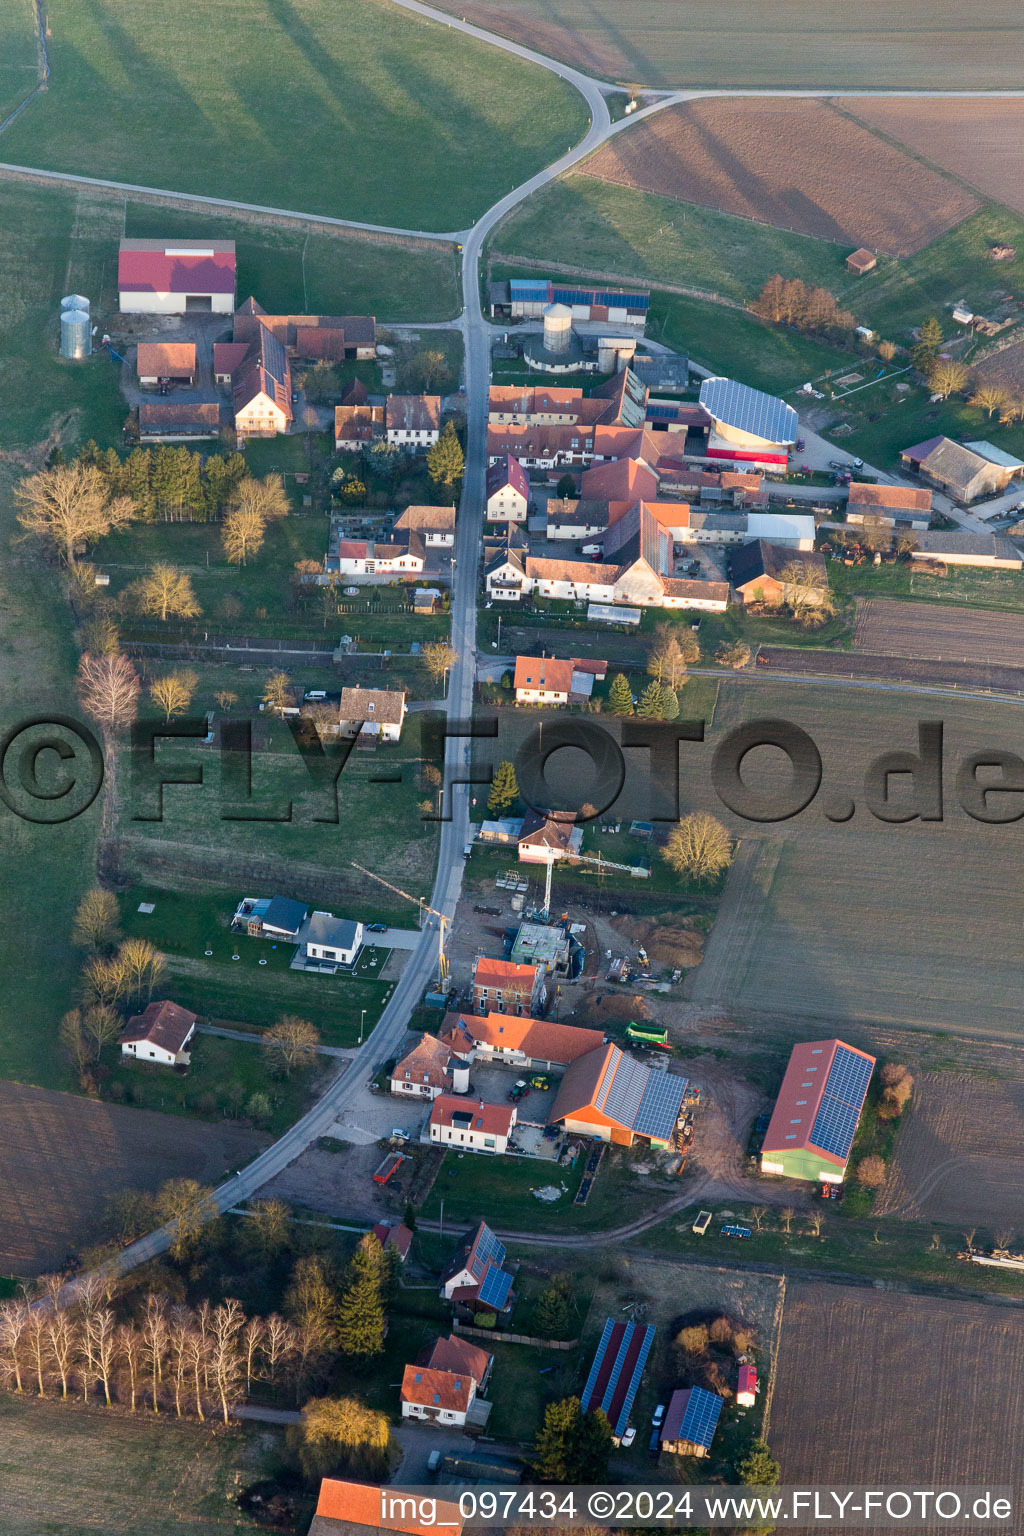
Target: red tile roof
(166, 266)
(460, 1357)
(912, 497)
(539, 1038)
(166, 359)
(399, 1238)
(504, 973)
(360, 1504)
(547, 673)
(437, 1389)
(427, 1061)
(229, 355)
(488, 1119)
(413, 413)
(163, 1024)
(621, 480)
(803, 1088)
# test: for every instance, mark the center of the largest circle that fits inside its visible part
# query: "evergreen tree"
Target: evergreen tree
(504, 789)
(409, 1216)
(649, 707)
(362, 1321)
(758, 1469)
(446, 460)
(553, 1314)
(566, 488)
(573, 1446)
(620, 696)
(139, 476)
(669, 703)
(926, 348)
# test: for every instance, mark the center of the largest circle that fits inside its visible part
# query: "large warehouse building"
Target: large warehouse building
(747, 426)
(174, 277)
(527, 299)
(817, 1112)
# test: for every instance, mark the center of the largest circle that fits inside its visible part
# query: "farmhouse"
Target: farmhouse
(861, 261)
(508, 491)
(568, 519)
(614, 1377)
(957, 470)
(501, 986)
(766, 573)
(173, 362)
(547, 680)
(518, 1042)
(444, 1384)
(413, 421)
(312, 338)
(894, 506)
(161, 1034)
(261, 386)
(434, 525)
(475, 1273)
(472, 1127)
(404, 556)
(505, 573)
(817, 1111)
(746, 425)
(425, 1071)
(628, 480)
(540, 447)
(612, 1097)
(543, 838)
(690, 1422)
(377, 711)
(633, 582)
(175, 277)
(178, 421)
(992, 550)
(714, 487)
(356, 425)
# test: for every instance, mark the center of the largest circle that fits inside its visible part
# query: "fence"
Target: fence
(515, 1338)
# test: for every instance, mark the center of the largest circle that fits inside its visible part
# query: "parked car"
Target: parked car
(376, 927)
(628, 1437)
(397, 1134)
(659, 1414)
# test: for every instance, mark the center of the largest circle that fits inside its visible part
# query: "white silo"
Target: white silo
(74, 301)
(557, 328)
(75, 337)
(460, 1077)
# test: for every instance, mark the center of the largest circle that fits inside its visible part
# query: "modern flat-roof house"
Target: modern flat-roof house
(961, 473)
(765, 573)
(176, 277)
(434, 525)
(746, 425)
(613, 1097)
(817, 1111)
(546, 944)
(501, 986)
(334, 939)
(380, 711)
(270, 917)
(471, 1125)
(173, 361)
(690, 1421)
(508, 491)
(475, 1272)
(956, 548)
(425, 1071)
(517, 1042)
(894, 506)
(413, 421)
(160, 1034)
(614, 1377)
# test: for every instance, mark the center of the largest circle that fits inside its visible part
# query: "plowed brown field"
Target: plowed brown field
(899, 1390)
(960, 1155)
(982, 141)
(797, 164)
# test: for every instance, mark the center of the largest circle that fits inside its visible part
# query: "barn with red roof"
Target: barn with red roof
(175, 277)
(817, 1111)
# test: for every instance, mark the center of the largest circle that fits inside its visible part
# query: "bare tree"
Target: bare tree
(101, 1336)
(291, 1043)
(165, 591)
(733, 653)
(276, 691)
(226, 1355)
(267, 497)
(74, 1043)
(816, 1218)
(947, 377)
(179, 1320)
(96, 920)
(37, 1340)
(226, 698)
(108, 687)
(787, 1213)
(155, 1334)
(439, 657)
(243, 534)
(699, 846)
(143, 966)
(279, 1344)
(129, 1346)
(70, 505)
(101, 1026)
(195, 1350)
(62, 1342)
(174, 691)
(185, 1206)
(887, 351)
(757, 1213)
(871, 1172)
(252, 1343)
(989, 397)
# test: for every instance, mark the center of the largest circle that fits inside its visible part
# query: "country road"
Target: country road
(387, 1036)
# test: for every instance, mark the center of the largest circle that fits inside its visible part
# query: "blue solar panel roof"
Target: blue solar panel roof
(659, 1106)
(846, 1086)
(701, 1417)
(528, 288)
(486, 1250)
(749, 410)
(626, 1092)
(495, 1288)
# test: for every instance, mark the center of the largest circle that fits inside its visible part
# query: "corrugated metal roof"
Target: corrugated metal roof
(749, 410)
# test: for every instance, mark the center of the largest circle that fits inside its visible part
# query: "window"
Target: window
(489, 1142)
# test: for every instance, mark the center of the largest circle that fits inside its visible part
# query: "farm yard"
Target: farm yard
(863, 921)
(798, 164)
(890, 1390)
(981, 142)
(908, 43)
(104, 1474)
(890, 627)
(228, 102)
(958, 1155)
(62, 1157)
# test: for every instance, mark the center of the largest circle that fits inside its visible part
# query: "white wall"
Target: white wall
(172, 303)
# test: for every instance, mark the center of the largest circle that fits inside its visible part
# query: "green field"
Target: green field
(975, 588)
(81, 1471)
(884, 422)
(880, 44)
(358, 110)
(19, 66)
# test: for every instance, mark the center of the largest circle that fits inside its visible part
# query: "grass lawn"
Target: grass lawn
(884, 422)
(523, 1382)
(76, 1470)
(295, 105)
(741, 346)
(325, 274)
(253, 991)
(975, 588)
(19, 67)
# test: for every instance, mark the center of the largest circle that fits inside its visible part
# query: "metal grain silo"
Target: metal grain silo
(74, 301)
(75, 333)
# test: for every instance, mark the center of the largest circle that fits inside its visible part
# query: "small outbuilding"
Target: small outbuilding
(173, 361)
(746, 1386)
(861, 261)
(690, 1423)
(160, 1034)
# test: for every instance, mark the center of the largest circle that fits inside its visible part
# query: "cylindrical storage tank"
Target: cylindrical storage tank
(606, 356)
(460, 1078)
(75, 333)
(75, 301)
(557, 328)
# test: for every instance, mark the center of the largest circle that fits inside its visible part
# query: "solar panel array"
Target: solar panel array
(526, 288)
(595, 296)
(701, 1417)
(495, 1289)
(749, 410)
(835, 1124)
(606, 1076)
(634, 1381)
(626, 1091)
(595, 1369)
(487, 1250)
(659, 1106)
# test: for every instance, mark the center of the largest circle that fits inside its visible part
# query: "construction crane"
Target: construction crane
(443, 923)
(574, 858)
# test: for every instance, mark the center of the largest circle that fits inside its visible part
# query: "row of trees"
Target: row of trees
(169, 484)
(789, 301)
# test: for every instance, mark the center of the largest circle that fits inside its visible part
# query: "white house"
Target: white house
(413, 421)
(434, 525)
(471, 1126)
(326, 937)
(425, 1071)
(161, 1034)
(445, 1382)
(360, 557)
(508, 491)
(382, 707)
(175, 277)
